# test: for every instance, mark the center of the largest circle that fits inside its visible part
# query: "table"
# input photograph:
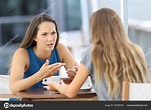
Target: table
(42, 94)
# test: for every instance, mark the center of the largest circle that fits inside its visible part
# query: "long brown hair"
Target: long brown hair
(113, 55)
(28, 40)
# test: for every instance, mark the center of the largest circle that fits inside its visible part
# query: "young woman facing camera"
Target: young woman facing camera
(40, 55)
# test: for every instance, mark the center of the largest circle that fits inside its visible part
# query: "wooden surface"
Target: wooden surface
(44, 95)
(8, 96)
(125, 91)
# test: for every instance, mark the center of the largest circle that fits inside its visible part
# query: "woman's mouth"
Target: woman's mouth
(50, 45)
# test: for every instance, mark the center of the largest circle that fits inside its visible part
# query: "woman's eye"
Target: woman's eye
(54, 32)
(44, 34)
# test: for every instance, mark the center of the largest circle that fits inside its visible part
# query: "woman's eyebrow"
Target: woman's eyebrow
(44, 32)
(53, 30)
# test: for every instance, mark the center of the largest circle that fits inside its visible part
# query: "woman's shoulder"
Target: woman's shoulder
(139, 49)
(21, 53)
(21, 56)
(63, 51)
(88, 50)
(60, 46)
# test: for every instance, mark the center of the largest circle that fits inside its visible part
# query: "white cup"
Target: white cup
(52, 79)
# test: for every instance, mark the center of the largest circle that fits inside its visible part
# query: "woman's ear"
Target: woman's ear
(35, 38)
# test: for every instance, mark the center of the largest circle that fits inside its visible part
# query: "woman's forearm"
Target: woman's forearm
(65, 90)
(25, 84)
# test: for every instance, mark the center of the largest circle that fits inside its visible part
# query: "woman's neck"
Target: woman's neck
(42, 54)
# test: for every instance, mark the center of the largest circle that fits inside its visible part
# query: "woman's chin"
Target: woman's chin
(50, 48)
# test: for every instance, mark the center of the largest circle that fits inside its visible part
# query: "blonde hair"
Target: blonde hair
(113, 55)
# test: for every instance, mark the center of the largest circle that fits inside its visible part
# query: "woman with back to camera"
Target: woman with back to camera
(40, 55)
(109, 60)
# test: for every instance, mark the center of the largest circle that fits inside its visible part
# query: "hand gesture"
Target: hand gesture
(49, 70)
(72, 72)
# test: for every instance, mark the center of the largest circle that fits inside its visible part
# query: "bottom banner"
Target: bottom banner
(78, 105)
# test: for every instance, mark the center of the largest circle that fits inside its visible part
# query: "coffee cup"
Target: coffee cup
(66, 81)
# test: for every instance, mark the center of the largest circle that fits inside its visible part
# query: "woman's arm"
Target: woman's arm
(72, 89)
(20, 64)
(66, 57)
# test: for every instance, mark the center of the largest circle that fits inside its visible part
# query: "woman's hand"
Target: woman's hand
(52, 85)
(49, 70)
(72, 72)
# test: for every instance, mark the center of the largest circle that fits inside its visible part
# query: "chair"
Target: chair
(4, 84)
(136, 91)
(149, 69)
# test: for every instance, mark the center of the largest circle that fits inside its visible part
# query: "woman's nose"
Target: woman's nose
(50, 38)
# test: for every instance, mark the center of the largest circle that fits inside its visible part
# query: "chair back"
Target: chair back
(136, 91)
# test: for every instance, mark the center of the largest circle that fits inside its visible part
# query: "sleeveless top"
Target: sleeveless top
(35, 64)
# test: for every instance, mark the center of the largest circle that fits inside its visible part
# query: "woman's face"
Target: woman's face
(46, 36)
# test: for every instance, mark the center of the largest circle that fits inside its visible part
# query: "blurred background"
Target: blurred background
(72, 17)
